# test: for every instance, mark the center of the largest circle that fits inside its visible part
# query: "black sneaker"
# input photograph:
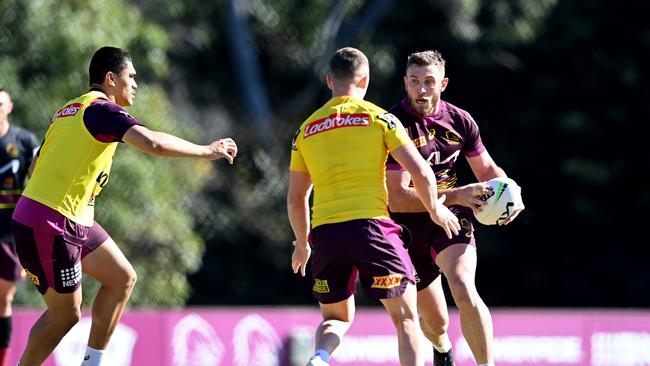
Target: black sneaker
(443, 359)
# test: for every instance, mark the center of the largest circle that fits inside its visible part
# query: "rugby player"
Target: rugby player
(17, 148)
(56, 236)
(340, 151)
(442, 132)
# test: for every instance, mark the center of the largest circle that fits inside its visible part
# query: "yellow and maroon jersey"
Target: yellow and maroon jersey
(343, 146)
(75, 160)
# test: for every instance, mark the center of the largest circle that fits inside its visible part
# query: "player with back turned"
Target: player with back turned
(341, 149)
(442, 132)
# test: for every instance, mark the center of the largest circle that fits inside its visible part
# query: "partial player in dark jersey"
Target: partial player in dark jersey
(53, 224)
(17, 147)
(442, 133)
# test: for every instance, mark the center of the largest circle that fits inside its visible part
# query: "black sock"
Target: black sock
(5, 332)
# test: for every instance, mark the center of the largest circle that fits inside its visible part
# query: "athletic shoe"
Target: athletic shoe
(317, 361)
(443, 359)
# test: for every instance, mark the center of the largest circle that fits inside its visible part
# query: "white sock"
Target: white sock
(92, 357)
(446, 346)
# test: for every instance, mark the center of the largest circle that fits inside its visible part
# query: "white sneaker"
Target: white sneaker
(317, 361)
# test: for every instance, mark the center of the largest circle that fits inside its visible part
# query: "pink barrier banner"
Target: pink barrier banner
(284, 337)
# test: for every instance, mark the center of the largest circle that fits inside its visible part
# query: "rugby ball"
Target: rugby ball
(500, 202)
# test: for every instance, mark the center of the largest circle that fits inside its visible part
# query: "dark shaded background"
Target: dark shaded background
(564, 113)
(559, 89)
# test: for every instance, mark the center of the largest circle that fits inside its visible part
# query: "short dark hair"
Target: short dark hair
(3, 89)
(107, 59)
(346, 63)
(426, 58)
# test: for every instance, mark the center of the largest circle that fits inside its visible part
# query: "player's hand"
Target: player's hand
(300, 256)
(445, 218)
(517, 208)
(224, 148)
(470, 195)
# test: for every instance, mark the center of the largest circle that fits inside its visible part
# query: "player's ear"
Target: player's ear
(110, 78)
(443, 84)
(329, 82)
(363, 82)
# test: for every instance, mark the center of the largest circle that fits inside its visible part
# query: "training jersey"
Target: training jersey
(17, 149)
(343, 147)
(75, 160)
(440, 139)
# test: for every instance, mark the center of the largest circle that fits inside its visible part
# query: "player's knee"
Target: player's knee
(131, 279)
(463, 291)
(126, 280)
(68, 319)
(406, 324)
(434, 328)
(346, 317)
(128, 283)
(403, 316)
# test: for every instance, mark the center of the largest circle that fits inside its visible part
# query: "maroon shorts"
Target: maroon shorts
(53, 259)
(10, 268)
(429, 239)
(370, 249)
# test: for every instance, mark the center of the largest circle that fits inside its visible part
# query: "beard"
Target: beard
(422, 109)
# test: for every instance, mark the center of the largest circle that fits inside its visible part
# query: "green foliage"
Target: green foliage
(147, 207)
(557, 87)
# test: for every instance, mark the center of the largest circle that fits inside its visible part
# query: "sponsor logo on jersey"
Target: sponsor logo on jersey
(294, 147)
(336, 121)
(391, 120)
(420, 141)
(321, 286)
(13, 150)
(452, 138)
(386, 282)
(67, 111)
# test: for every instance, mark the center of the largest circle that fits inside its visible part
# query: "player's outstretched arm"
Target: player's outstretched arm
(298, 210)
(425, 185)
(164, 144)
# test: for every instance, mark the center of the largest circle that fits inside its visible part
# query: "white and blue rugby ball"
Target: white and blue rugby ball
(500, 203)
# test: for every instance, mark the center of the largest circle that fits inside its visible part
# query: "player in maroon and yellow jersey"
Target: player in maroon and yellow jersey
(340, 151)
(56, 236)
